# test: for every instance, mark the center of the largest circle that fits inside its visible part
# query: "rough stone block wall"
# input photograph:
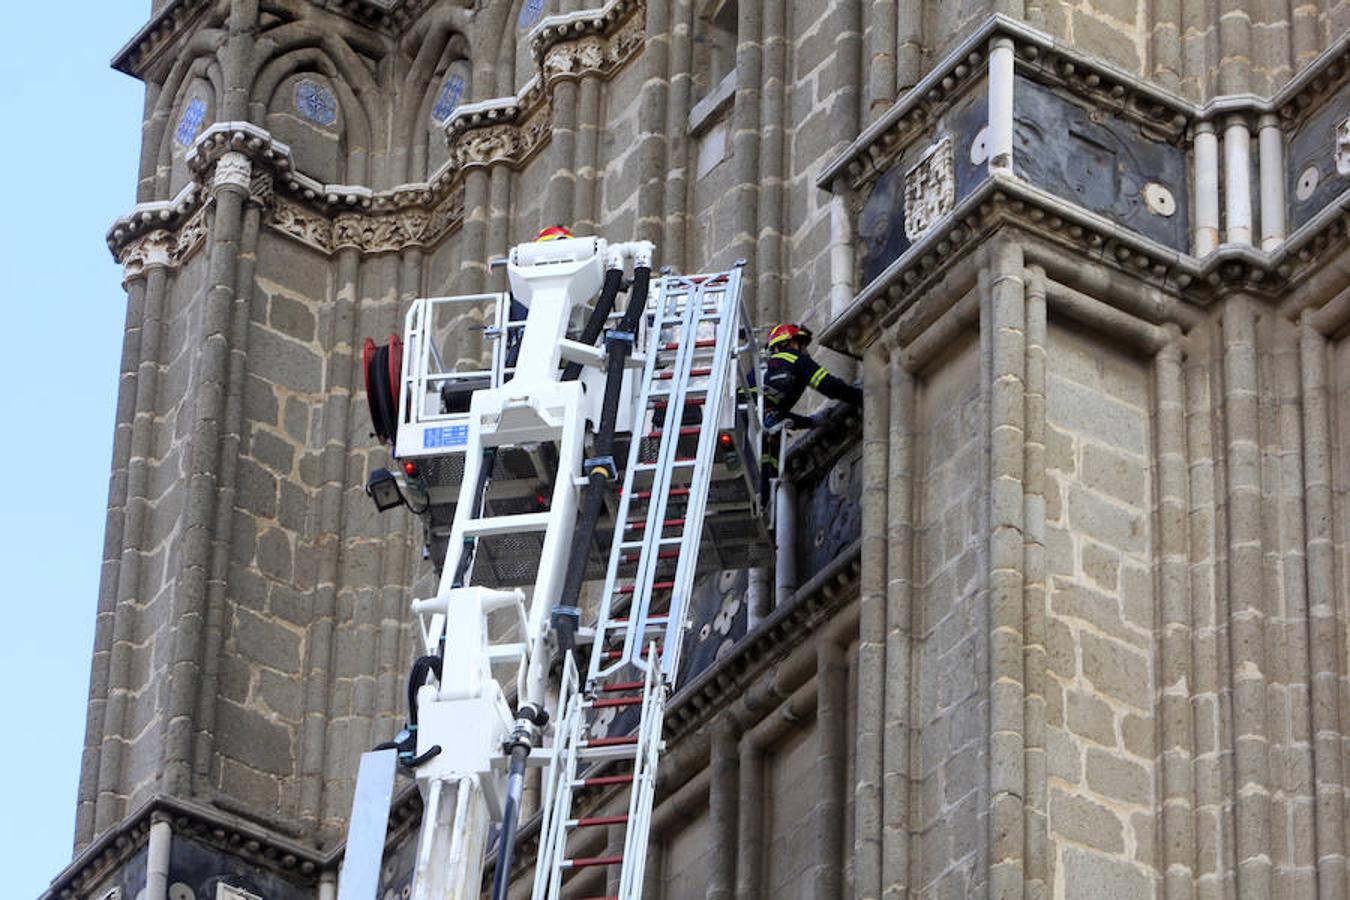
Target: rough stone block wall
(1101, 748)
(685, 860)
(950, 631)
(789, 827)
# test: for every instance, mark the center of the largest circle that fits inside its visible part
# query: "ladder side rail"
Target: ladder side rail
(501, 312)
(686, 323)
(686, 564)
(558, 787)
(414, 330)
(597, 668)
(643, 793)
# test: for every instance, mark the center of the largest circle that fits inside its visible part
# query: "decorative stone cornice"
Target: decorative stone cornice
(1158, 112)
(811, 456)
(324, 216)
(501, 131)
(587, 42)
(166, 28)
(178, 18)
(1164, 114)
(224, 831)
(1129, 231)
(1003, 201)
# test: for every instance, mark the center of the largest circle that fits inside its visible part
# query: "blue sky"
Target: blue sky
(69, 160)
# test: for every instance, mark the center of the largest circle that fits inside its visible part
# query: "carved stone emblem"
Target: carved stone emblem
(930, 188)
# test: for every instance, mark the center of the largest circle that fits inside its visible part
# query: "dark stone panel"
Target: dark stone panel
(881, 223)
(129, 878)
(199, 868)
(829, 515)
(718, 616)
(1098, 162)
(1313, 146)
(396, 873)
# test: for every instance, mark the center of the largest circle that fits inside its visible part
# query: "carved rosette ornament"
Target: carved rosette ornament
(233, 168)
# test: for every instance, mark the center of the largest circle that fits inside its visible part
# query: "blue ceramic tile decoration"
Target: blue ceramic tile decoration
(530, 11)
(190, 122)
(315, 102)
(446, 101)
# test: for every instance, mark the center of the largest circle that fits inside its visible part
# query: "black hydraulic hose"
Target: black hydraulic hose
(515, 784)
(416, 678)
(600, 468)
(596, 323)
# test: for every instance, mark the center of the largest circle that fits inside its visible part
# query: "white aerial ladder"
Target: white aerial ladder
(674, 383)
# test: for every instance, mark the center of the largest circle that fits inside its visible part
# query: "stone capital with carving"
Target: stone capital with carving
(146, 252)
(233, 168)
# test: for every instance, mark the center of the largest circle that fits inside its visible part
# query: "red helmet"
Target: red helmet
(554, 233)
(789, 331)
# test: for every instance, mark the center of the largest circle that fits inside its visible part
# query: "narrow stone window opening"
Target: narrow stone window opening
(714, 64)
(714, 46)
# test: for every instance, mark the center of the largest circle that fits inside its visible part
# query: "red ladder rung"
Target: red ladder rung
(587, 862)
(593, 821)
(616, 654)
(687, 430)
(688, 401)
(606, 702)
(638, 525)
(693, 373)
(603, 780)
(704, 342)
(673, 492)
(656, 586)
(620, 741)
(622, 686)
(634, 557)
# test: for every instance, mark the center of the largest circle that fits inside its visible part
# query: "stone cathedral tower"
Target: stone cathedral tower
(1062, 614)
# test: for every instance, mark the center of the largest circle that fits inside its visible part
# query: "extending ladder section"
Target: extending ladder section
(686, 414)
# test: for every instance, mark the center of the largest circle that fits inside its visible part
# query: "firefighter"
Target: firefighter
(787, 375)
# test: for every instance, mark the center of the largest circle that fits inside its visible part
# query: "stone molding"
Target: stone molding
(1049, 61)
(587, 42)
(1005, 201)
(1004, 198)
(323, 216)
(164, 248)
(178, 19)
(507, 133)
(166, 28)
(502, 131)
(216, 828)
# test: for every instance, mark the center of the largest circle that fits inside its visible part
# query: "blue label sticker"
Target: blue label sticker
(445, 436)
(530, 12)
(315, 102)
(448, 98)
(191, 122)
